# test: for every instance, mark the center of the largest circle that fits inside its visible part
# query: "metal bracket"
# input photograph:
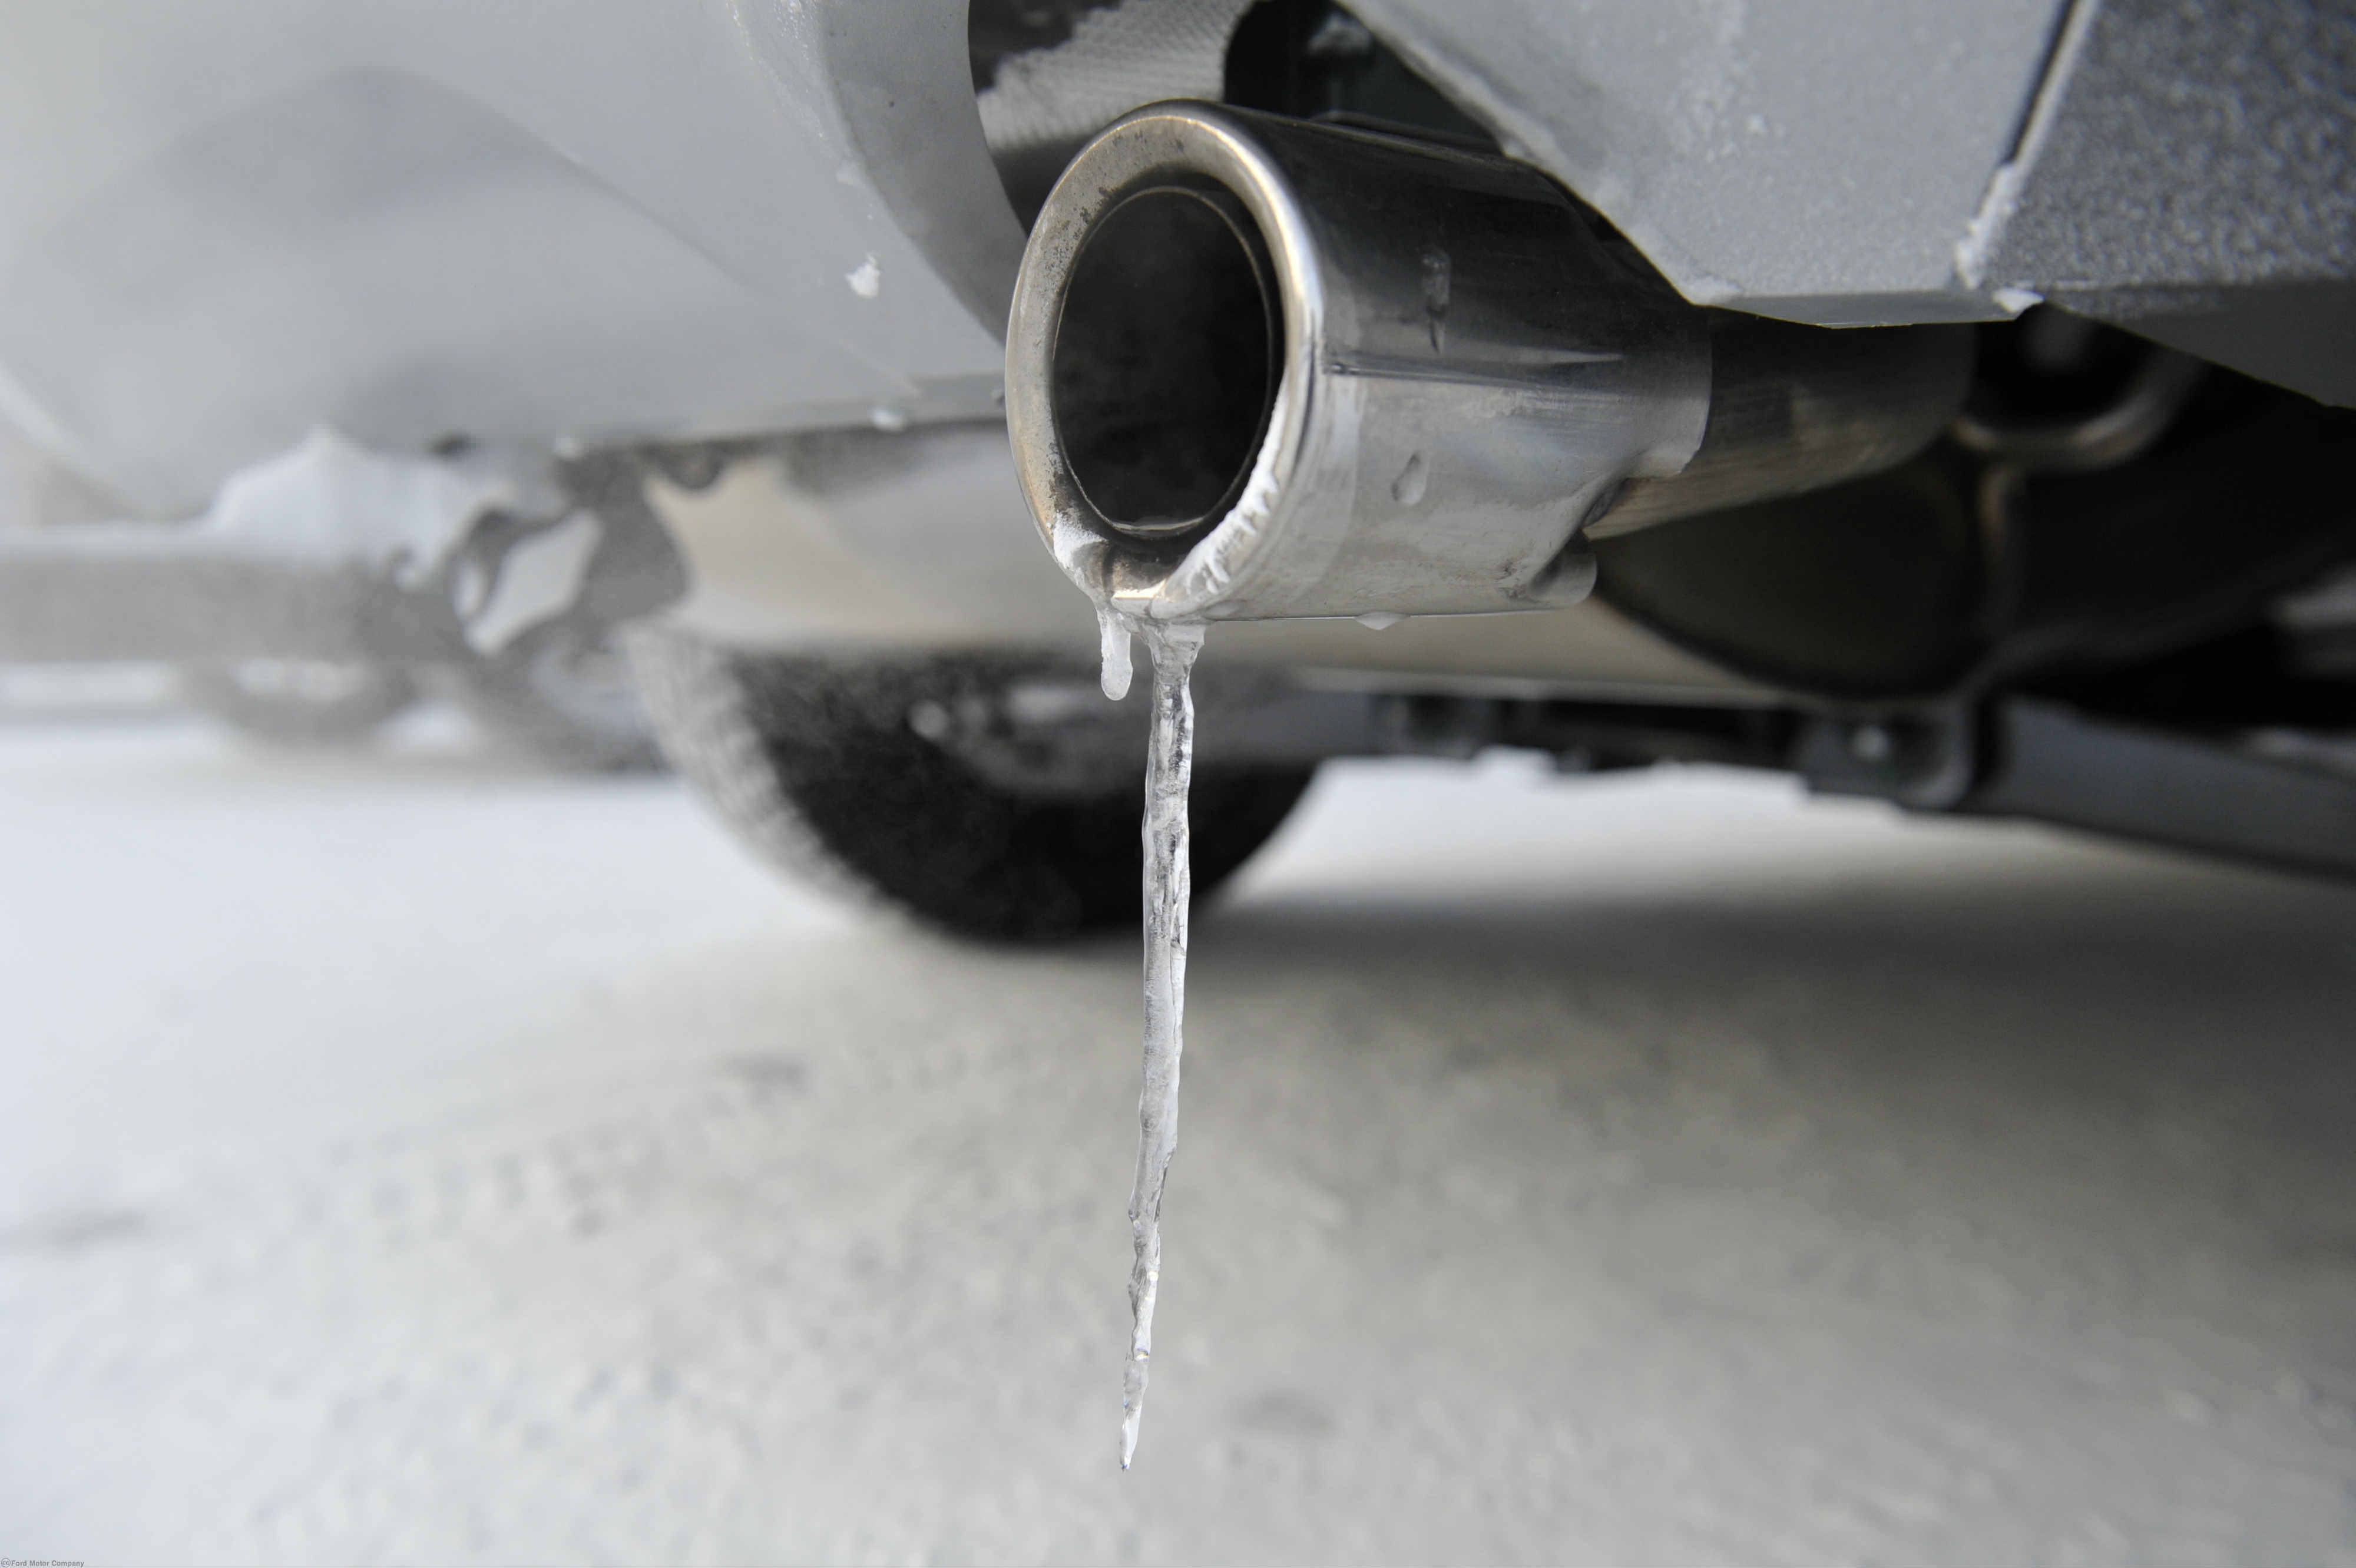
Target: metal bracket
(1925, 759)
(2039, 759)
(2220, 796)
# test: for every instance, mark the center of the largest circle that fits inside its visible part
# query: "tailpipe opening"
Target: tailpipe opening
(1165, 364)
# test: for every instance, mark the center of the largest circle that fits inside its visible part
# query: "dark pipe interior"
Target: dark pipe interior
(1165, 360)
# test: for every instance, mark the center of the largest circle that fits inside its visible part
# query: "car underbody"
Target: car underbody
(1947, 403)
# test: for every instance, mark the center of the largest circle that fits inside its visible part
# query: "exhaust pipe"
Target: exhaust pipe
(1262, 367)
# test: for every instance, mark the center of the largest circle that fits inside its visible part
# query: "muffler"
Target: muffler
(1263, 367)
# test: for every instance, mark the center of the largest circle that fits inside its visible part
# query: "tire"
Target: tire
(299, 701)
(566, 695)
(813, 765)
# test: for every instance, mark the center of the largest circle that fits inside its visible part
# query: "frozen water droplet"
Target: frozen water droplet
(886, 418)
(1380, 620)
(866, 279)
(1408, 487)
(1169, 767)
(1112, 651)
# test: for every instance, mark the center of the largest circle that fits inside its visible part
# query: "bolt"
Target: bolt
(930, 720)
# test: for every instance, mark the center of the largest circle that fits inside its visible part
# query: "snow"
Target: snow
(408, 1159)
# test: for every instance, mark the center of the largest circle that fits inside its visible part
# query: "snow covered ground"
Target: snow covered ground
(407, 1160)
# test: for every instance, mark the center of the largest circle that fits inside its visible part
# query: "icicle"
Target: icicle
(1170, 763)
(1112, 644)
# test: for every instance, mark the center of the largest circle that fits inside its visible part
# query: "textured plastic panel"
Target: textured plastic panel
(1814, 159)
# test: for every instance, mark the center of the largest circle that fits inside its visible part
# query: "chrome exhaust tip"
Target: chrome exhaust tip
(1258, 368)
(1262, 367)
